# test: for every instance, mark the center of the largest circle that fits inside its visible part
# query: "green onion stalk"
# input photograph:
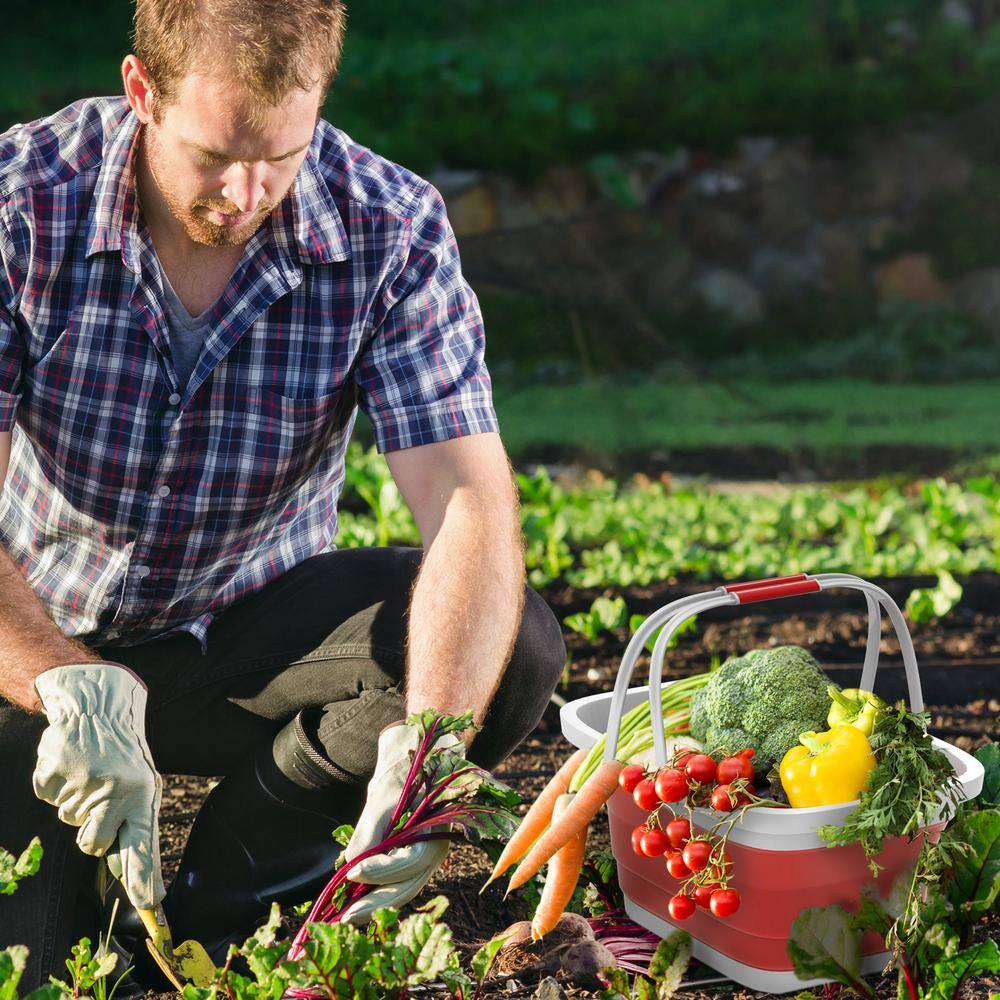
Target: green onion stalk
(636, 731)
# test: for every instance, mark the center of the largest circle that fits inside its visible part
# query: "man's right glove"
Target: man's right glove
(404, 871)
(94, 765)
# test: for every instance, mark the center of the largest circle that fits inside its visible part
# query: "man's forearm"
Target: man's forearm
(466, 607)
(30, 642)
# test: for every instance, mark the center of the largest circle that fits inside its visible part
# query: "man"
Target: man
(201, 282)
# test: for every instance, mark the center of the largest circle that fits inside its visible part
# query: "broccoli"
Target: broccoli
(699, 716)
(761, 700)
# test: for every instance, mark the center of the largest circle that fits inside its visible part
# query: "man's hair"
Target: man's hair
(269, 46)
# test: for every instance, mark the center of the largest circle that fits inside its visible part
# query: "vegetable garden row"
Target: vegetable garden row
(605, 557)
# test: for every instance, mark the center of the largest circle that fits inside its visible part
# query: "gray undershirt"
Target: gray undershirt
(187, 332)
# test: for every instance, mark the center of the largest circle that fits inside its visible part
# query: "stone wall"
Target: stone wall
(913, 215)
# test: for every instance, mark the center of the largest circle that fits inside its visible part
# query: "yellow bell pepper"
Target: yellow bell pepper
(827, 768)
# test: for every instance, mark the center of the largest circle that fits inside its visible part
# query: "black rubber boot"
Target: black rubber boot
(264, 834)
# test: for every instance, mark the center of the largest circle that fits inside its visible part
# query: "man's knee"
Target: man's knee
(542, 635)
(539, 653)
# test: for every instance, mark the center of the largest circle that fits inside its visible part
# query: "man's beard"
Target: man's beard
(197, 228)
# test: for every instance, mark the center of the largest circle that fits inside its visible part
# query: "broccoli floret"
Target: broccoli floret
(768, 697)
(725, 694)
(780, 740)
(732, 740)
(699, 716)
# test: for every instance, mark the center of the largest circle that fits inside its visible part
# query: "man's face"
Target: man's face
(219, 177)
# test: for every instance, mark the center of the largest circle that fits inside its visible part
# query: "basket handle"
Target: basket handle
(674, 614)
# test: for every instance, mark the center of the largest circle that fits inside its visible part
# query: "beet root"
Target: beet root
(584, 960)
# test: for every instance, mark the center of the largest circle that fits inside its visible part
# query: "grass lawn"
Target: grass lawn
(605, 418)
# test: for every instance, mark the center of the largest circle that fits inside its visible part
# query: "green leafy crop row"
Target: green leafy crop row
(600, 533)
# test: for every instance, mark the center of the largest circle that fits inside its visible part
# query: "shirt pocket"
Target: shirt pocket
(288, 437)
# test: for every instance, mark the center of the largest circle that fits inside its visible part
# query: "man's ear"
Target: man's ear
(139, 88)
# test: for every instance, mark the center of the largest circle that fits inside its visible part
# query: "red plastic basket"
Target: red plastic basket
(781, 866)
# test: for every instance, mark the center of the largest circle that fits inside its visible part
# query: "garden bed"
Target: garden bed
(959, 664)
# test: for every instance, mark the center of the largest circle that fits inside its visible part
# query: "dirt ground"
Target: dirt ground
(960, 673)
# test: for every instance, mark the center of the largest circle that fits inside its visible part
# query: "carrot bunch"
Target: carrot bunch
(555, 828)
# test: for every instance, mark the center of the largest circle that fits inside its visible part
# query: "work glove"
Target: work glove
(403, 872)
(94, 765)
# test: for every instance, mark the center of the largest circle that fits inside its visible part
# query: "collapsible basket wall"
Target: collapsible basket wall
(780, 864)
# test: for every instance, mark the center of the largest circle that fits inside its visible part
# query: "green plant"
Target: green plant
(366, 474)
(904, 791)
(666, 970)
(688, 625)
(341, 962)
(605, 615)
(12, 869)
(443, 795)
(925, 604)
(13, 961)
(89, 970)
(929, 916)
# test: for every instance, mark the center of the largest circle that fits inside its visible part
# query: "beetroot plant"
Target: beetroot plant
(444, 795)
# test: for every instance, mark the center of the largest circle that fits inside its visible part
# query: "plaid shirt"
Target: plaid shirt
(136, 507)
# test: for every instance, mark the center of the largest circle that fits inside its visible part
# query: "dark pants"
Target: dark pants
(329, 634)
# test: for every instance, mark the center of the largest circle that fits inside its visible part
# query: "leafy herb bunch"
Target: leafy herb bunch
(905, 790)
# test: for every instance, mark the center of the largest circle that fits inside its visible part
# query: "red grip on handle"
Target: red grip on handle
(784, 589)
(735, 588)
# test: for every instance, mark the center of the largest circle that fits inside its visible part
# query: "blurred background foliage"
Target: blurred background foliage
(518, 88)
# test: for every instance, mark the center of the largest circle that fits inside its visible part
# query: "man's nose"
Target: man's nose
(243, 186)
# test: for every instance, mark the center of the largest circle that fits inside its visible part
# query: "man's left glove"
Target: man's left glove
(95, 766)
(403, 872)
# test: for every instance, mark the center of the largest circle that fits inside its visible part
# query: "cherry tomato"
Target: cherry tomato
(703, 893)
(644, 795)
(675, 864)
(701, 768)
(739, 796)
(678, 832)
(671, 785)
(732, 768)
(682, 758)
(721, 801)
(724, 902)
(725, 799)
(629, 777)
(681, 907)
(637, 834)
(696, 854)
(653, 843)
(748, 753)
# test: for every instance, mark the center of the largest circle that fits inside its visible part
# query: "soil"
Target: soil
(803, 464)
(959, 662)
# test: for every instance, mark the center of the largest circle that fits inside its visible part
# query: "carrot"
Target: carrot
(537, 817)
(561, 878)
(586, 803)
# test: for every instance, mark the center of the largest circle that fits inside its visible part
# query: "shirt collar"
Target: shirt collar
(115, 210)
(307, 219)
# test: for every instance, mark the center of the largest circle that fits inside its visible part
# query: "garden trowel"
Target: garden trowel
(187, 962)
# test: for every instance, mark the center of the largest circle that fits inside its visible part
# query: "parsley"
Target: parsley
(904, 791)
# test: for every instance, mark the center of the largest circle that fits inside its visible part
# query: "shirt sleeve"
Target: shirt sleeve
(11, 344)
(422, 377)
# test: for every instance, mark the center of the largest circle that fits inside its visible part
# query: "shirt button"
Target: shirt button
(174, 399)
(163, 491)
(142, 572)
